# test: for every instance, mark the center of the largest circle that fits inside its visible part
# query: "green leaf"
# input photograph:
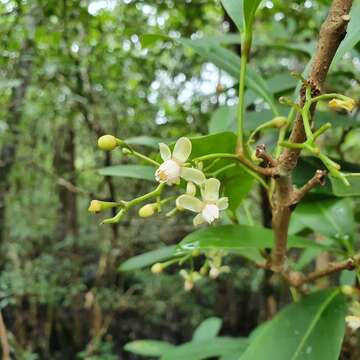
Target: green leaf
(311, 329)
(148, 141)
(352, 35)
(148, 347)
(234, 8)
(209, 348)
(143, 172)
(223, 119)
(208, 329)
(340, 189)
(148, 40)
(331, 217)
(147, 259)
(237, 238)
(249, 8)
(224, 142)
(237, 184)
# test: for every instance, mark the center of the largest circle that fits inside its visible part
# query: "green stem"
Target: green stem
(140, 199)
(241, 106)
(144, 157)
(216, 155)
(330, 96)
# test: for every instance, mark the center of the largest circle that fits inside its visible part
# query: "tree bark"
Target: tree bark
(64, 165)
(332, 32)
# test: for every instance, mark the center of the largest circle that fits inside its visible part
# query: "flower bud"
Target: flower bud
(108, 142)
(279, 121)
(347, 290)
(204, 270)
(338, 104)
(97, 206)
(126, 151)
(157, 268)
(147, 210)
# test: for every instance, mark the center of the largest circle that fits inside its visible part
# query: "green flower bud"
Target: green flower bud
(157, 268)
(147, 210)
(97, 206)
(108, 142)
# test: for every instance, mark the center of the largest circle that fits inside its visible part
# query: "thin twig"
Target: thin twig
(317, 179)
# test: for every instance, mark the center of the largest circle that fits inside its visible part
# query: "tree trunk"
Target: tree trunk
(13, 118)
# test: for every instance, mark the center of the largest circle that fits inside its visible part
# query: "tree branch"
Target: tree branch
(332, 33)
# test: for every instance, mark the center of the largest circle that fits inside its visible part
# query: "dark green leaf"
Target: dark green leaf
(331, 217)
(149, 258)
(311, 329)
(237, 238)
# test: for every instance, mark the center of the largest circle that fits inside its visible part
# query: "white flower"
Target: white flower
(353, 322)
(190, 278)
(172, 169)
(209, 207)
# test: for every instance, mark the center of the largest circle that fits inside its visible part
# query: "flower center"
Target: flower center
(168, 171)
(210, 213)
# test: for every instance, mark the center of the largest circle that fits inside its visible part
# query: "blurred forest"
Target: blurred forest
(71, 71)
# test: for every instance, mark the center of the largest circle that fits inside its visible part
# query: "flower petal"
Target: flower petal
(211, 190)
(193, 175)
(189, 202)
(223, 203)
(182, 150)
(165, 152)
(198, 220)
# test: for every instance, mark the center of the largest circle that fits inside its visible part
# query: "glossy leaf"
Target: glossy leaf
(148, 258)
(224, 142)
(148, 347)
(331, 217)
(208, 329)
(143, 172)
(237, 184)
(311, 329)
(237, 238)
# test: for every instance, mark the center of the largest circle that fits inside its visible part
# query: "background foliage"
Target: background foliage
(73, 70)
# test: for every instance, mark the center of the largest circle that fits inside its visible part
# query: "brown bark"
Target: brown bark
(64, 165)
(4, 340)
(332, 33)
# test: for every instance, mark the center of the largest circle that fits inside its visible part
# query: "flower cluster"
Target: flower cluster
(175, 169)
